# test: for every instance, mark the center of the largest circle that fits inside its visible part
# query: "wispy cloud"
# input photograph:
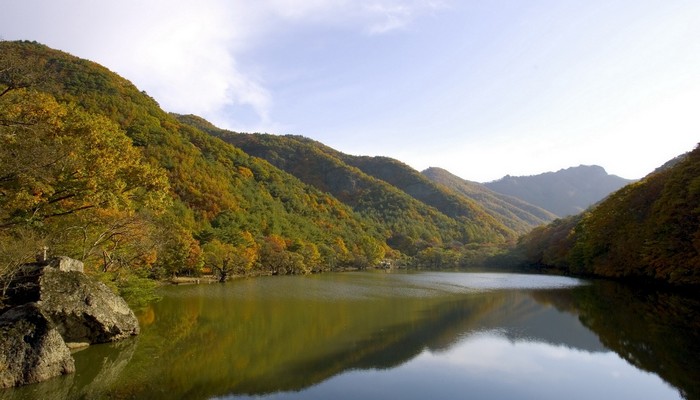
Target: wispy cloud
(187, 54)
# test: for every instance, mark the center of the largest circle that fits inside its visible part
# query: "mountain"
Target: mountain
(565, 192)
(510, 211)
(649, 229)
(385, 190)
(95, 170)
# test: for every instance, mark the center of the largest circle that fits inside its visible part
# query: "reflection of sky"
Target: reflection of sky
(459, 282)
(487, 365)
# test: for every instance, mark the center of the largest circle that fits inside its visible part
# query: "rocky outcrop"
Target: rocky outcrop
(53, 306)
(31, 348)
(85, 310)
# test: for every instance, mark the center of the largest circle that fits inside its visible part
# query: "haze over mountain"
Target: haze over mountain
(565, 192)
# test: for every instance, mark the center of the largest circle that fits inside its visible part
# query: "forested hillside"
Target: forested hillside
(565, 192)
(510, 211)
(347, 178)
(94, 169)
(648, 229)
(427, 221)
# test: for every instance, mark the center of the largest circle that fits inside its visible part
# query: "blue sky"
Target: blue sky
(481, 88)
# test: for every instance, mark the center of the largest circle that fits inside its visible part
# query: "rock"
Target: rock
(84, 309)
(52, 303)
(65, 264)
(31, 348)
(24, 286)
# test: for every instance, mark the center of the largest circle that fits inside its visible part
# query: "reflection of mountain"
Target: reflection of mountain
(654, 330)
(515, 314)
(209, 340)
(268, 335)
(530, 321)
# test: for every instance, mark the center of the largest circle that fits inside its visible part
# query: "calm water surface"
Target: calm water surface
(398, 335)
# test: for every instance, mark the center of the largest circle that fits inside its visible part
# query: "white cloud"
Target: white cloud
(187, 54)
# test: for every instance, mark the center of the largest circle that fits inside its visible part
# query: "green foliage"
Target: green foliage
(95, 169)
(216, 191)
(136, 289)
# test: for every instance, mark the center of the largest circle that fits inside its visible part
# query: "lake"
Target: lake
(377, 335)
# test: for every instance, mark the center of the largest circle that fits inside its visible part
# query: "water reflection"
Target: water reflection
(655, 330)
(407, 335)
(487, 365)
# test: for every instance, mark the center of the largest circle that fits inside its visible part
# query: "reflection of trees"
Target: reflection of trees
(212, 340)
(257, 345)
(655, 330)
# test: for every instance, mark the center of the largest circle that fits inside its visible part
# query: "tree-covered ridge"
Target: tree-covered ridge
(648, 229)
(416, 212)
(565, 192)
(93, 168)
(455, 206)
(510, 211)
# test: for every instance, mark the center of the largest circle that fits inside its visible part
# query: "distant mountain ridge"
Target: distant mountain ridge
(565, 192)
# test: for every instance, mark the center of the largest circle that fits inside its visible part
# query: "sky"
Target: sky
(480, 88)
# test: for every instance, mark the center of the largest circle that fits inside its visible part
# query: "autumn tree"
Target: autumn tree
(59, 160)
(223, 258)
(179, 253)
(217, 257)
(74, 179)
(277, 258)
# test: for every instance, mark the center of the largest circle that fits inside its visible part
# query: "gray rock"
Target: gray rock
(65, 264)
(84, 309)
(51, 303)
(31, 348)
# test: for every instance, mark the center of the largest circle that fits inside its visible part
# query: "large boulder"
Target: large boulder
(24, 285)
(84, 309)
(52, 306)
(31, 348)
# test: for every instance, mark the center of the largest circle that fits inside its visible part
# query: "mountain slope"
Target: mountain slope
(565, 192)
(510, 211)
(420, 188)
(223, 202)
(410, 218)
(648, 229)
